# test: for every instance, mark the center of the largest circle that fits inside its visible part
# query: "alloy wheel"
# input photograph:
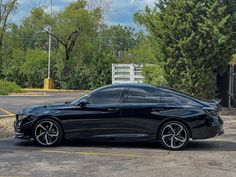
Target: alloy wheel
(47, 133)
(174, 135)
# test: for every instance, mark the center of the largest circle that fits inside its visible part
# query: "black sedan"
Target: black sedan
(123, 111)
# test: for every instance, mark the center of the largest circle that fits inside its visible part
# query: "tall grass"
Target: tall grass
(8, 87)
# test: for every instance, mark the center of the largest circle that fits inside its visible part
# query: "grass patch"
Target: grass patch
(8, 87)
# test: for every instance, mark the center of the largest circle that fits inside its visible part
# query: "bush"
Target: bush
(154, 75)
(35, 68)
(8, 87)
(93, 72)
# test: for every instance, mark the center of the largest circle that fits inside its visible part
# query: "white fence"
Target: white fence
(127, 73)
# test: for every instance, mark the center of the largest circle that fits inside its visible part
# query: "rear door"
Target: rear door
(140, 109)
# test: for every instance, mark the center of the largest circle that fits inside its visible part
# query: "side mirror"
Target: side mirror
(83, 103)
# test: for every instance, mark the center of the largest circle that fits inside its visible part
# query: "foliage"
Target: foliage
(6, 9)
(8, 87)
(154, 75)
(195, 39)
(11, 66)
(189, 42)
(35, 67)
(69, 26)
(85, 75)
(26, 68)
(142, 52)
(117, 39)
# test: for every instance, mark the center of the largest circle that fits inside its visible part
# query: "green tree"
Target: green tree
(73, 23)
(142, 52)
(117, 39)
(34, 68)
(154, 75)
(195, 41)
(6, 9)
(11, 66)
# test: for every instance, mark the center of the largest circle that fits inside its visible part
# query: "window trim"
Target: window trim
(127, 92)
(102, 89)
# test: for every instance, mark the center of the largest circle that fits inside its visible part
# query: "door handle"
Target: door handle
(113, 110)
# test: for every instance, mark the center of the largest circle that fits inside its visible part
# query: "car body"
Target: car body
(123, 111)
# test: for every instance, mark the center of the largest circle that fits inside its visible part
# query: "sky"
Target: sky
(119, 12)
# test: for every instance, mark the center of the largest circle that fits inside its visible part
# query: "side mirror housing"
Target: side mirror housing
(83, 103)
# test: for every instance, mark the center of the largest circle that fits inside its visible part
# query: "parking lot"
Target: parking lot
(213, 157)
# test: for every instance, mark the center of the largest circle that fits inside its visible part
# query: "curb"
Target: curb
(27, 94)
(52, 90)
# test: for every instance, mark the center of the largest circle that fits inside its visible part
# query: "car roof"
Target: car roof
(139, 85)
(129, 85)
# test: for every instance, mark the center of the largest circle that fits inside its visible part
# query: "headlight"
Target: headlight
(21, 117)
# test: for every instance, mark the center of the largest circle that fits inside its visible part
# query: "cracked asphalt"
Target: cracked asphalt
(211, 158)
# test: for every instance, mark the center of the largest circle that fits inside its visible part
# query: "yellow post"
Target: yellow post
(48, 84)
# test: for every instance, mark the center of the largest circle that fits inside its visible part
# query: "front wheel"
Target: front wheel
(174, 135)
(47, 132)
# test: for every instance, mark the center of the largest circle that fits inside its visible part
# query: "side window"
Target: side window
(143, 95)
(109, 95)
(172, 98)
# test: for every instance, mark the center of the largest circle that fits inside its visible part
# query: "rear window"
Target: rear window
(143, 95)
(172, 98)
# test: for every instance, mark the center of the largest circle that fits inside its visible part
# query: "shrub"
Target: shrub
(8, 87)
(154, 75)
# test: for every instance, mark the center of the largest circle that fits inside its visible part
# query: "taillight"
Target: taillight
(211, 111)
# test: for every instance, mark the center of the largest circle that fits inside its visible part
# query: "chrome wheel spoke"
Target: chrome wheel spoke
(41, 135)
(181, 139)
(179, 131)
(171, 128)
(46, 139)
(172, 142)
(53, 135)
(50, 128)
(168, 135)
(42, 127)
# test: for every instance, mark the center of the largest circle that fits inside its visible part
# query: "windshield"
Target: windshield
(78, 100)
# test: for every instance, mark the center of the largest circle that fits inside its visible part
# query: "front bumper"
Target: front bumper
(23, 130)
(209, 129)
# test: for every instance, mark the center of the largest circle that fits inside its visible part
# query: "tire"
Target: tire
(47, 132)
(174, 135)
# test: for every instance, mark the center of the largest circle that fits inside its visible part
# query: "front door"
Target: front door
(97, 118)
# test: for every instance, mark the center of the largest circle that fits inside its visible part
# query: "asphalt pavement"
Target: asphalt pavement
(14, 103)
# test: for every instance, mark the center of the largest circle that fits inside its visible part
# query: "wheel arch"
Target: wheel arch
(173, 119)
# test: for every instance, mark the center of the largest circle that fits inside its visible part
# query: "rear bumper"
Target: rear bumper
(209, 129)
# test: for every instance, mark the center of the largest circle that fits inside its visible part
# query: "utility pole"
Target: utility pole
(49, 83)
(49, 45)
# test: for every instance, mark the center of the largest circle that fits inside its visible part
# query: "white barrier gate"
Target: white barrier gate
(127, 73)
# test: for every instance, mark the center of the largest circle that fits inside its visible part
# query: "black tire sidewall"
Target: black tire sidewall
(187, 138)
(60, 136)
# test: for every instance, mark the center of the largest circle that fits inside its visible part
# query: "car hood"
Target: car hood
(43, 108)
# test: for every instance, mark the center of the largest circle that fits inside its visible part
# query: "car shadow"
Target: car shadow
(200, 145)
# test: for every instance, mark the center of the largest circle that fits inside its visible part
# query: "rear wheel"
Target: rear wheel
(174, 135)
(47, 132)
